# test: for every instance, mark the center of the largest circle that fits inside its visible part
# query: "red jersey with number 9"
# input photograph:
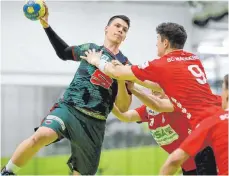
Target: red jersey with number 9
(181, 75)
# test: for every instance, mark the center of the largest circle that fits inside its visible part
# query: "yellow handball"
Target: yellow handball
(34, 9)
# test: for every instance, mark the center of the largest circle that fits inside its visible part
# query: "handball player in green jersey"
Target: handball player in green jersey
(80, 115)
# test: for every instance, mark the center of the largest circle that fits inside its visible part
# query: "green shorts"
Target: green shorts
(84, 132)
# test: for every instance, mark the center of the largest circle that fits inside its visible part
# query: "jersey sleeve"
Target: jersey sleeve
(196, 141)
(150, 70)
(142, 113)
(62, 49)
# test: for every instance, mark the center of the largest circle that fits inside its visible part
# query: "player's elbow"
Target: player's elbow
(123, 119)
(65, 54)
(61, 56)
(124, 108)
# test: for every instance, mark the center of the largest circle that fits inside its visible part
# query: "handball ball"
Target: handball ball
(34, 9)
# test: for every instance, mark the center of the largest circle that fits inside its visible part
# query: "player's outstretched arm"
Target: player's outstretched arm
(124, 72)
(174, 161)
(119, 72)
(116, 71)
(153, 102)
(128, 116)
(148, 84)
(62, 49)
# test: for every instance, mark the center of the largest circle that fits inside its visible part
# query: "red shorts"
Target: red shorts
(210, 132)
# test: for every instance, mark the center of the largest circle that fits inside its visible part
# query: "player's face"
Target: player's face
(161, 46)
(224, 97)
(116, 31)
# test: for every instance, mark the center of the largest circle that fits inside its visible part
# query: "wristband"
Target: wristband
(102, 64)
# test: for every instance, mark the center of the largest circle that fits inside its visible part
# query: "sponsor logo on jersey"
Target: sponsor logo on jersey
(172, 59)
(150, 112)
(164, 135)
(100, 79)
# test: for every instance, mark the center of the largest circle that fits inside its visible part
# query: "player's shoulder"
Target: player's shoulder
(121, 57)
(159, 60)
(121, 53)
(87, 46)
(155, 63)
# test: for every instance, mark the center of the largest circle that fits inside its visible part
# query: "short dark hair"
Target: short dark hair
(174, 33)
(226, 81)
(123, 17)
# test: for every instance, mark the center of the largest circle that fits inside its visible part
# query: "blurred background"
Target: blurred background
(33, 77)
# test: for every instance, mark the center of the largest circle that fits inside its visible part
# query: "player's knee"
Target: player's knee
(43, 136)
